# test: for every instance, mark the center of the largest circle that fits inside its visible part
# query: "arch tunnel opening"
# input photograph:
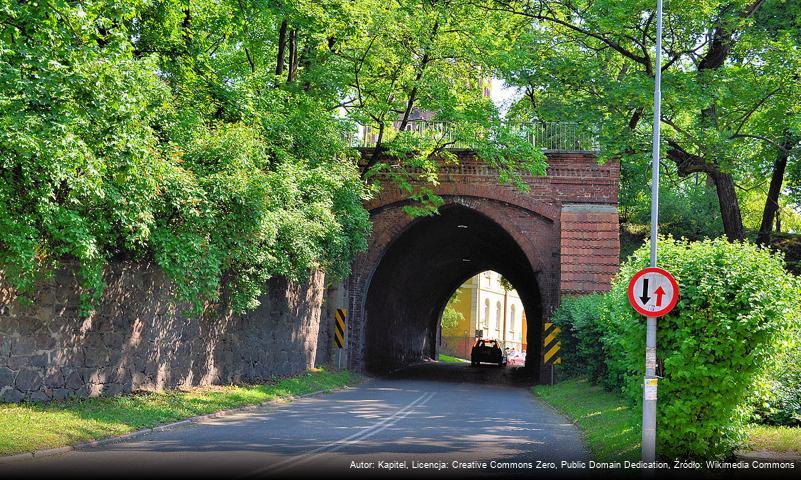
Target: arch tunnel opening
(486, 306)
(419, 272)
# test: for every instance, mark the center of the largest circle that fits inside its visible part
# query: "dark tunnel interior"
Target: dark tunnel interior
(419, 272)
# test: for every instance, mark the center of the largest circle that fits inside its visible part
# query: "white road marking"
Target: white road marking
(349, 440)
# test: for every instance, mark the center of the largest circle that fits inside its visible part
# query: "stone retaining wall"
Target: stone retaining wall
(139, 339)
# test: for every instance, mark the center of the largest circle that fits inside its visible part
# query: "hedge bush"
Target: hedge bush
(580, 336)
(778, 400)
(736, 313)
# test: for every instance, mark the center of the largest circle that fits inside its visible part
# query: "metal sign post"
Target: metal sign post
(652, 292)
(650, 383)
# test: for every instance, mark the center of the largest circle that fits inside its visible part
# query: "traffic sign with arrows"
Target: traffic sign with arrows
(653, 292)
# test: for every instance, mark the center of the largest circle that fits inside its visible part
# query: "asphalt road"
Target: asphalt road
(427, 416)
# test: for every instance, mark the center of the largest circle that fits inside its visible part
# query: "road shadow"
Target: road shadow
(465, 373)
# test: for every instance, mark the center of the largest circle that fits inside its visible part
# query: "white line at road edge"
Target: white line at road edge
(349, 440)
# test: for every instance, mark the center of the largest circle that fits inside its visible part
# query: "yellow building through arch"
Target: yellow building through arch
(485, 304)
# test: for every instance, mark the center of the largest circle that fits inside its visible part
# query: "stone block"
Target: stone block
(112, 389)
(11, 395)
(120, 322)
(6, 377)
(44, 313)
(104, 324)
(38, 396)
(44, 341)
(93, 340)
(8, 323)
(151, 368)
(18, 362)
(54, 379)
(28, 380)
(66, 311)
(62, 394)
(72, 357)
(73, 380)
(23, 345)
(95, 357)
(39, 360)
(140, 381)
(113, 341)
(117, 374)
(28, 326)
(96, 375)
(58, 328)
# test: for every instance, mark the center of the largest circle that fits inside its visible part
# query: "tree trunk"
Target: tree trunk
(293, 56)
(729, 207)
(376, 155)
(413, 94)
(305, 61)
(771, 209)
(688, 163)
(279, 62)
(772, 202)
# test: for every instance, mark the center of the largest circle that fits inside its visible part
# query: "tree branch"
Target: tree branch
(723, 40)
(598, 36)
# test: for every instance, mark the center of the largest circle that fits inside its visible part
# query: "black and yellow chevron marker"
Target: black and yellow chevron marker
(551, 344)
(339, 332)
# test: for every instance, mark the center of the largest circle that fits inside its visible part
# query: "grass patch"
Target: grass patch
(611, 426)
(450, 359)
(32, 426)
(774, 439)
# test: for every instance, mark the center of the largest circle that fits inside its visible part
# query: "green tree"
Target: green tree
(730, 82)
(159, 130)
(451, 317)
(414, 56)
(214, 136)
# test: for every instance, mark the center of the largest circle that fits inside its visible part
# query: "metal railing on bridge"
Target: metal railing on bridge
(566, 136)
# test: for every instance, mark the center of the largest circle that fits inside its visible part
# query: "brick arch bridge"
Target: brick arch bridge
(560, 238)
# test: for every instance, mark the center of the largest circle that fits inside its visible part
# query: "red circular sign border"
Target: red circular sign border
(658, 313)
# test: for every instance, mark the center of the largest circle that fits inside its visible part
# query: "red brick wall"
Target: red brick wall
(572, 177)
(590, 246)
